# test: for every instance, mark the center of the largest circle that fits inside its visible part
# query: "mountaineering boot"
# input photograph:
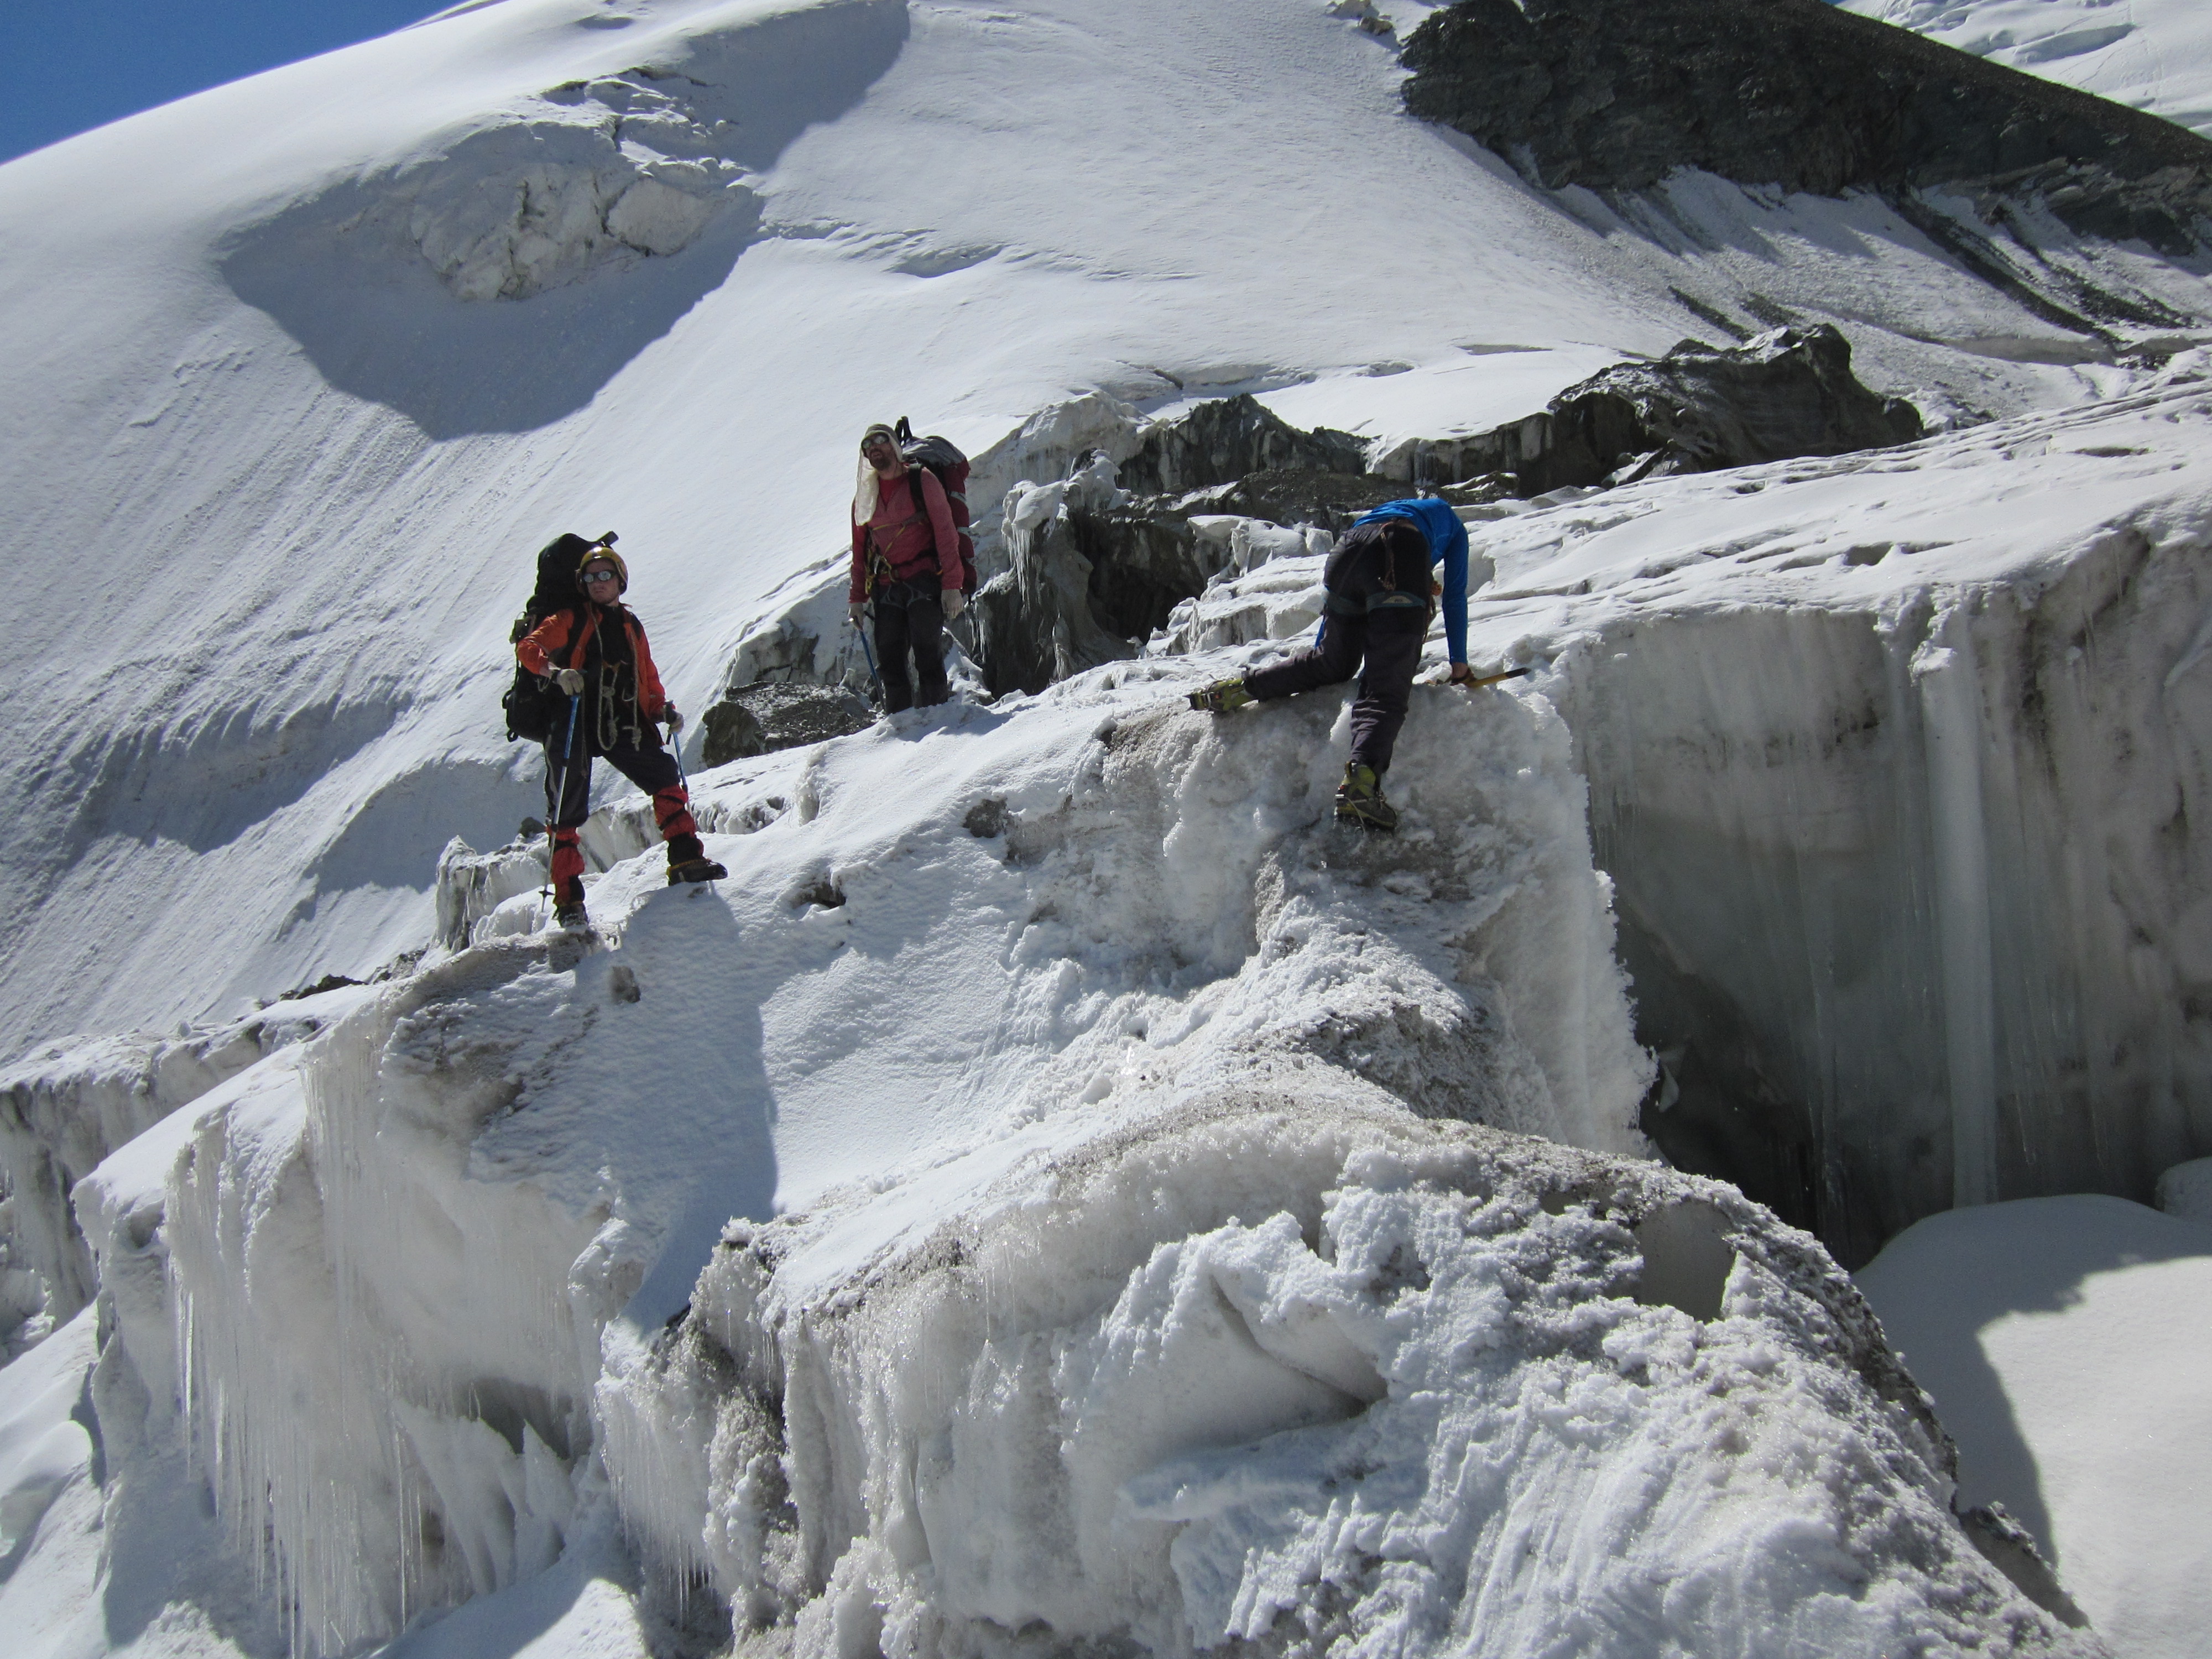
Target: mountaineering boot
(568, 898)
(1359, 800)
(1222, 696)
(699, 869)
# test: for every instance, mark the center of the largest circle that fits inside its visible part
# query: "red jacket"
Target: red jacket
(912, 544)
(535, 650)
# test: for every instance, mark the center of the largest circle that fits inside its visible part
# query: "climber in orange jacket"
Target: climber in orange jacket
(595, 651)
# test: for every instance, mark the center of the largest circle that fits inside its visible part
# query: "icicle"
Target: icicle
(1950, 695)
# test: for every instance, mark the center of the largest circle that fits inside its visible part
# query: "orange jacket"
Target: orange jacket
(535, 650)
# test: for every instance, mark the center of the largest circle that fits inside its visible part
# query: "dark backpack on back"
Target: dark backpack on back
(941, 457)
(533, 707)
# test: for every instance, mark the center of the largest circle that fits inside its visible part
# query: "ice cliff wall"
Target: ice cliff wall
(1901, 768)
(1898, 762)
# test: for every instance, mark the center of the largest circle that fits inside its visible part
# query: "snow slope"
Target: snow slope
(2155, 55)
(280, 465)
(2066, 1342)
(1084, 988)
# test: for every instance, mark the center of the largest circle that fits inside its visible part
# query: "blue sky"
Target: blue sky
(71, 65)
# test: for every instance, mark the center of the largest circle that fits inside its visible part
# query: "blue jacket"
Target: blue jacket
(1447, 539)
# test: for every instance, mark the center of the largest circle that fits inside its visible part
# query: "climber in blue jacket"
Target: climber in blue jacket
(1381, 597)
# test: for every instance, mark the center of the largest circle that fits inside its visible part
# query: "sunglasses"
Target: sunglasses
(601, 576)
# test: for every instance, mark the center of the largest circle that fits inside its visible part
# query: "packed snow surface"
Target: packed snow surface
(2066, 1342)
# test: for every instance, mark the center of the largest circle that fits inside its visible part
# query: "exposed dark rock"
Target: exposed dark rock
(772, 714)
(327, 982)
(1330, 500)
(1230, 438)
(1094, 569)
(1615, 95)
(1145, 560)
(1787, 393)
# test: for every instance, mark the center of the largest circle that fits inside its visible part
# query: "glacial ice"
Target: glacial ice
(1897, 762)
(1278, 1363)
(1144, 1310)
(428, 1227)
(65, 1106)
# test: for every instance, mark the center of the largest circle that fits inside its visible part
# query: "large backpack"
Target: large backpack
(534, 707)
(941, 457)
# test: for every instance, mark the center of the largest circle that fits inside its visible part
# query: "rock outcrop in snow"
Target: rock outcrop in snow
(2000, 168)
(767, 715)
(1230, 438)
(1101, 559)
(1789, 392)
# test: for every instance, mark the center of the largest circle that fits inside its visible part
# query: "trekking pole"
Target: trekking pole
(560, 793)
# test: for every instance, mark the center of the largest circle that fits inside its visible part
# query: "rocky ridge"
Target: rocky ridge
(1615, 95)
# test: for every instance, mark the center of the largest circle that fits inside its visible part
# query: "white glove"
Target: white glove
(674, 720)
(859, 613)
(570, 682)
(955, 603)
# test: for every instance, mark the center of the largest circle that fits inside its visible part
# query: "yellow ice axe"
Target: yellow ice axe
(1487, 679)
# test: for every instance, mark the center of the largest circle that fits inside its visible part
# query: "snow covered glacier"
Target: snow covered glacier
(1062, 1192)
(1116, 1294)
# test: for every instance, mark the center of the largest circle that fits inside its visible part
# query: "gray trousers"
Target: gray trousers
(1384, 648)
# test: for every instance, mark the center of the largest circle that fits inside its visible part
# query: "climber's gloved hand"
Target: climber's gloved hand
(955, 603)
(570, 682)
(674, 721)
(859, 613)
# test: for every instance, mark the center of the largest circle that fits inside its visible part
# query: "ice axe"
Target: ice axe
(1488, 679)
(869, 651)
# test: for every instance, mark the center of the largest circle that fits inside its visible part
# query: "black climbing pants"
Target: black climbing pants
(568, 800)
(1388, 643)
(910, 616)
